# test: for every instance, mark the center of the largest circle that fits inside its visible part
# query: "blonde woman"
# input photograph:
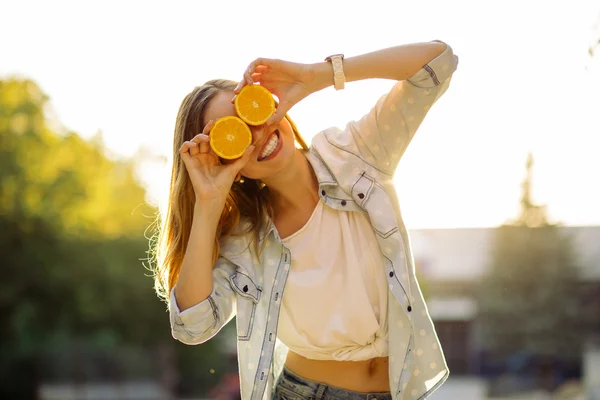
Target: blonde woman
(306, 245)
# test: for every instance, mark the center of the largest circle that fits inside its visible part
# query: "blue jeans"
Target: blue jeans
(292, 387)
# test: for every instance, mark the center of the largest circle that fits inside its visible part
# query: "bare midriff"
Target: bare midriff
(368, 376)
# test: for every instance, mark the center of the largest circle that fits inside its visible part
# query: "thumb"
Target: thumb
(242, 161)
(282, 109)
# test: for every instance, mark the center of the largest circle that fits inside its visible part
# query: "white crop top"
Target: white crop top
(334, 305)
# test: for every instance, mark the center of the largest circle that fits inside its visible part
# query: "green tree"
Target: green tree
(72, 239)
(63, 179)
(529, 298)
(72, 225)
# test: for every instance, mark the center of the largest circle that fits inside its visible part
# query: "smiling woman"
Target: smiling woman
(321, 223)
(245, 198)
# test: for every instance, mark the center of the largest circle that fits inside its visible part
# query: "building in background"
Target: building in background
(452, 262)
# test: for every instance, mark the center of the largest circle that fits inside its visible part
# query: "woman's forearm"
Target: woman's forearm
(398, 63)
(195, 282)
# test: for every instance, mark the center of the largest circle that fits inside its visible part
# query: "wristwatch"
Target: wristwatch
(339, 79)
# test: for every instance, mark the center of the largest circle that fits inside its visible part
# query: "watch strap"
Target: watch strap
(339, 78)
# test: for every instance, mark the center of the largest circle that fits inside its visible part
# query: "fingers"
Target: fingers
(204, 139)
(261, 69)
(237, 89)
(252, 68)
(256, 77)
(199, 144)
(257, 66)
(240, 86)
(203, 142)
(208, 127)
(185, 148)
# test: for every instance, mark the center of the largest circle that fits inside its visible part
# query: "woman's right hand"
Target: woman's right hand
(210, 178)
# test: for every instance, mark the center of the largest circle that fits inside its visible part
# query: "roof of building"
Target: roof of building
(463, 253)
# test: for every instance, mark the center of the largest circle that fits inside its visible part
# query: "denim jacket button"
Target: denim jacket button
(343, 202)
(391, 274)
(409, 308)
(323, 192)
(361, 195)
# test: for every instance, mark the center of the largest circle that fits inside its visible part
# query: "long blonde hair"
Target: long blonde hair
(248, 198)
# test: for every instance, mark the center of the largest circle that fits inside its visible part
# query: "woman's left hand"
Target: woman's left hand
(290, 82)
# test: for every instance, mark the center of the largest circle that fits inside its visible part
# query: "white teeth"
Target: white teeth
(270, 147)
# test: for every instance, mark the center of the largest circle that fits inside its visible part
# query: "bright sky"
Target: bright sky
(525, 83)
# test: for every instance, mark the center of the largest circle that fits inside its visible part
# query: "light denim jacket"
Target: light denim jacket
(354, 168)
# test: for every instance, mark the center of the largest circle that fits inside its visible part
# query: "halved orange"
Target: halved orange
(230, 137)
(254, 104)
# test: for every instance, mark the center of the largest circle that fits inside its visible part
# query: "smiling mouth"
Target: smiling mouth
(270, 146)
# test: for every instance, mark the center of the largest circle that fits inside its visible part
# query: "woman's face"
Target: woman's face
(274, 147)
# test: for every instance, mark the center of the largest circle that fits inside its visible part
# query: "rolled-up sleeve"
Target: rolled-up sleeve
(204, 320)
(384, 133)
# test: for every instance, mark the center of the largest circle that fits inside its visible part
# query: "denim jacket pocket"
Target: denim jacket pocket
(377, 203)
(248, 295)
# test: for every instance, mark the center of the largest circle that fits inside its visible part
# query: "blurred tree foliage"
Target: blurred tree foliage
(72, 237)
(529, 299)
(63, 179)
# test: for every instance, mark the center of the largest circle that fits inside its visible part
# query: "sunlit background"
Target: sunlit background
(115, 73)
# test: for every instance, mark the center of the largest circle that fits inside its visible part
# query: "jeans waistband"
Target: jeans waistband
(309, 389)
